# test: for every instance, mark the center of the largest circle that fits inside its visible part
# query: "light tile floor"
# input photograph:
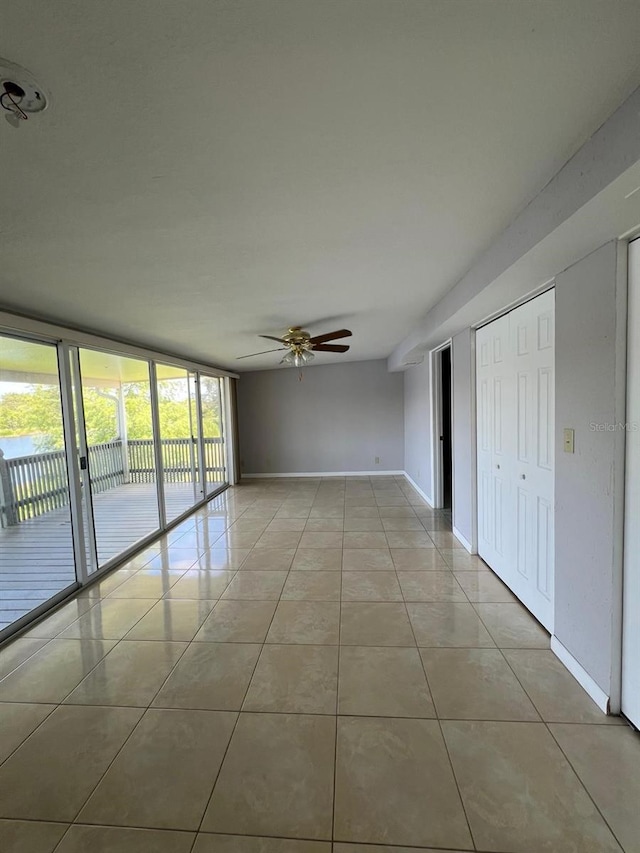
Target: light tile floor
(332, 673)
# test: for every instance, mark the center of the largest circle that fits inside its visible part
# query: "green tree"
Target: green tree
(37, 412)
(210, 398)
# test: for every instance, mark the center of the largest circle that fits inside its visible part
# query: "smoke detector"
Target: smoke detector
(21, 95)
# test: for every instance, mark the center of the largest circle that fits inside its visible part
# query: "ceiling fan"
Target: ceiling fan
(302, 346)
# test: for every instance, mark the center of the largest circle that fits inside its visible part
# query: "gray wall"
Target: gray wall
(464, 435)
(417, 426)
(590, 344)
(339, 418)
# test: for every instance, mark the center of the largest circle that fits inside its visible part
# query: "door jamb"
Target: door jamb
(230, 429)
(86, 495)
(435, 366)
(473, 410)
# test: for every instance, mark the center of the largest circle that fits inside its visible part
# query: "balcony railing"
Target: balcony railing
(34, 485)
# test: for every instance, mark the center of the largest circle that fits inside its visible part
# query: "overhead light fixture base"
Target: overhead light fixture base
(21, 95)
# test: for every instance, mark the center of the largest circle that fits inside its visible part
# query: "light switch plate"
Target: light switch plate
(569, 439)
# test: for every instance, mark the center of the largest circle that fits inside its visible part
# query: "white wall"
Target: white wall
(340, 417)
(589, 484)
(417, 426)
(418, 452)
(586, 203)
(631, 592)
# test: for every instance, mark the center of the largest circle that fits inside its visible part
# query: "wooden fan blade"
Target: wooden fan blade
(331, 336)
(330, 348)
(271, 338)
(264, 352)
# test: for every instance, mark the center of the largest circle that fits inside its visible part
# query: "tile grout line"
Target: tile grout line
(337, 706)
(583, 785)
(364, 845)
(45, 643)
(61, 703)
(239, 713)
(197, 832)
(438, 720)
(142, 716)
(110, 764)
(40, 724)
(190, 642)
(444, 717)
(542, 721)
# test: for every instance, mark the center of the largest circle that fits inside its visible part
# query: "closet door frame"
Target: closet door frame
(630, 675)
(501, 452)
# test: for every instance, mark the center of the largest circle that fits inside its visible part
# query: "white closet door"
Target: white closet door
(532, 356)
(515, 394)
(495, 401)
(631, 605)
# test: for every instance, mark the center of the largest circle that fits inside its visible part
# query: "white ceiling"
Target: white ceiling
(215, 169)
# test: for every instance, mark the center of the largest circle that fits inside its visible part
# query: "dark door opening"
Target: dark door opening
(445, 437)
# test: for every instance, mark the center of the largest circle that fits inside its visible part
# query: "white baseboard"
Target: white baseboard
(463, 539)
(422, 494)
(580, 674)
(294, 474)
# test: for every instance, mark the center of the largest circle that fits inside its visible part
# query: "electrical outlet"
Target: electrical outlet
(377, 460)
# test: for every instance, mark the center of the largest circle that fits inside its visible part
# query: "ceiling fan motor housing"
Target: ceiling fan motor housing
(296, 335)
(298, 339)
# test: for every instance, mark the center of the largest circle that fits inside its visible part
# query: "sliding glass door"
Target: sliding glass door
(178, 419)
(36, 539)
(98, 452)
(212, 437)
(120, 450)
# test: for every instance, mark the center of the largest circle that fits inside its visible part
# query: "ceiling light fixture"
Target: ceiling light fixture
(20, 94)
(300, 345)
(297, 357)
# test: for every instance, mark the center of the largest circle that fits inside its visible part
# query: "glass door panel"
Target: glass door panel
(177, 411)
(36, 538)
(120, 450)
(212, 438)
(89, 558)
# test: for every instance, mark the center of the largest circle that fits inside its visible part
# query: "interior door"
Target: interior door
(532, 356)
(495, 452)
(631, 599)
(515, 410)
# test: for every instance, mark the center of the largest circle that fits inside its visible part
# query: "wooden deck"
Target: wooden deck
(36, 556)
